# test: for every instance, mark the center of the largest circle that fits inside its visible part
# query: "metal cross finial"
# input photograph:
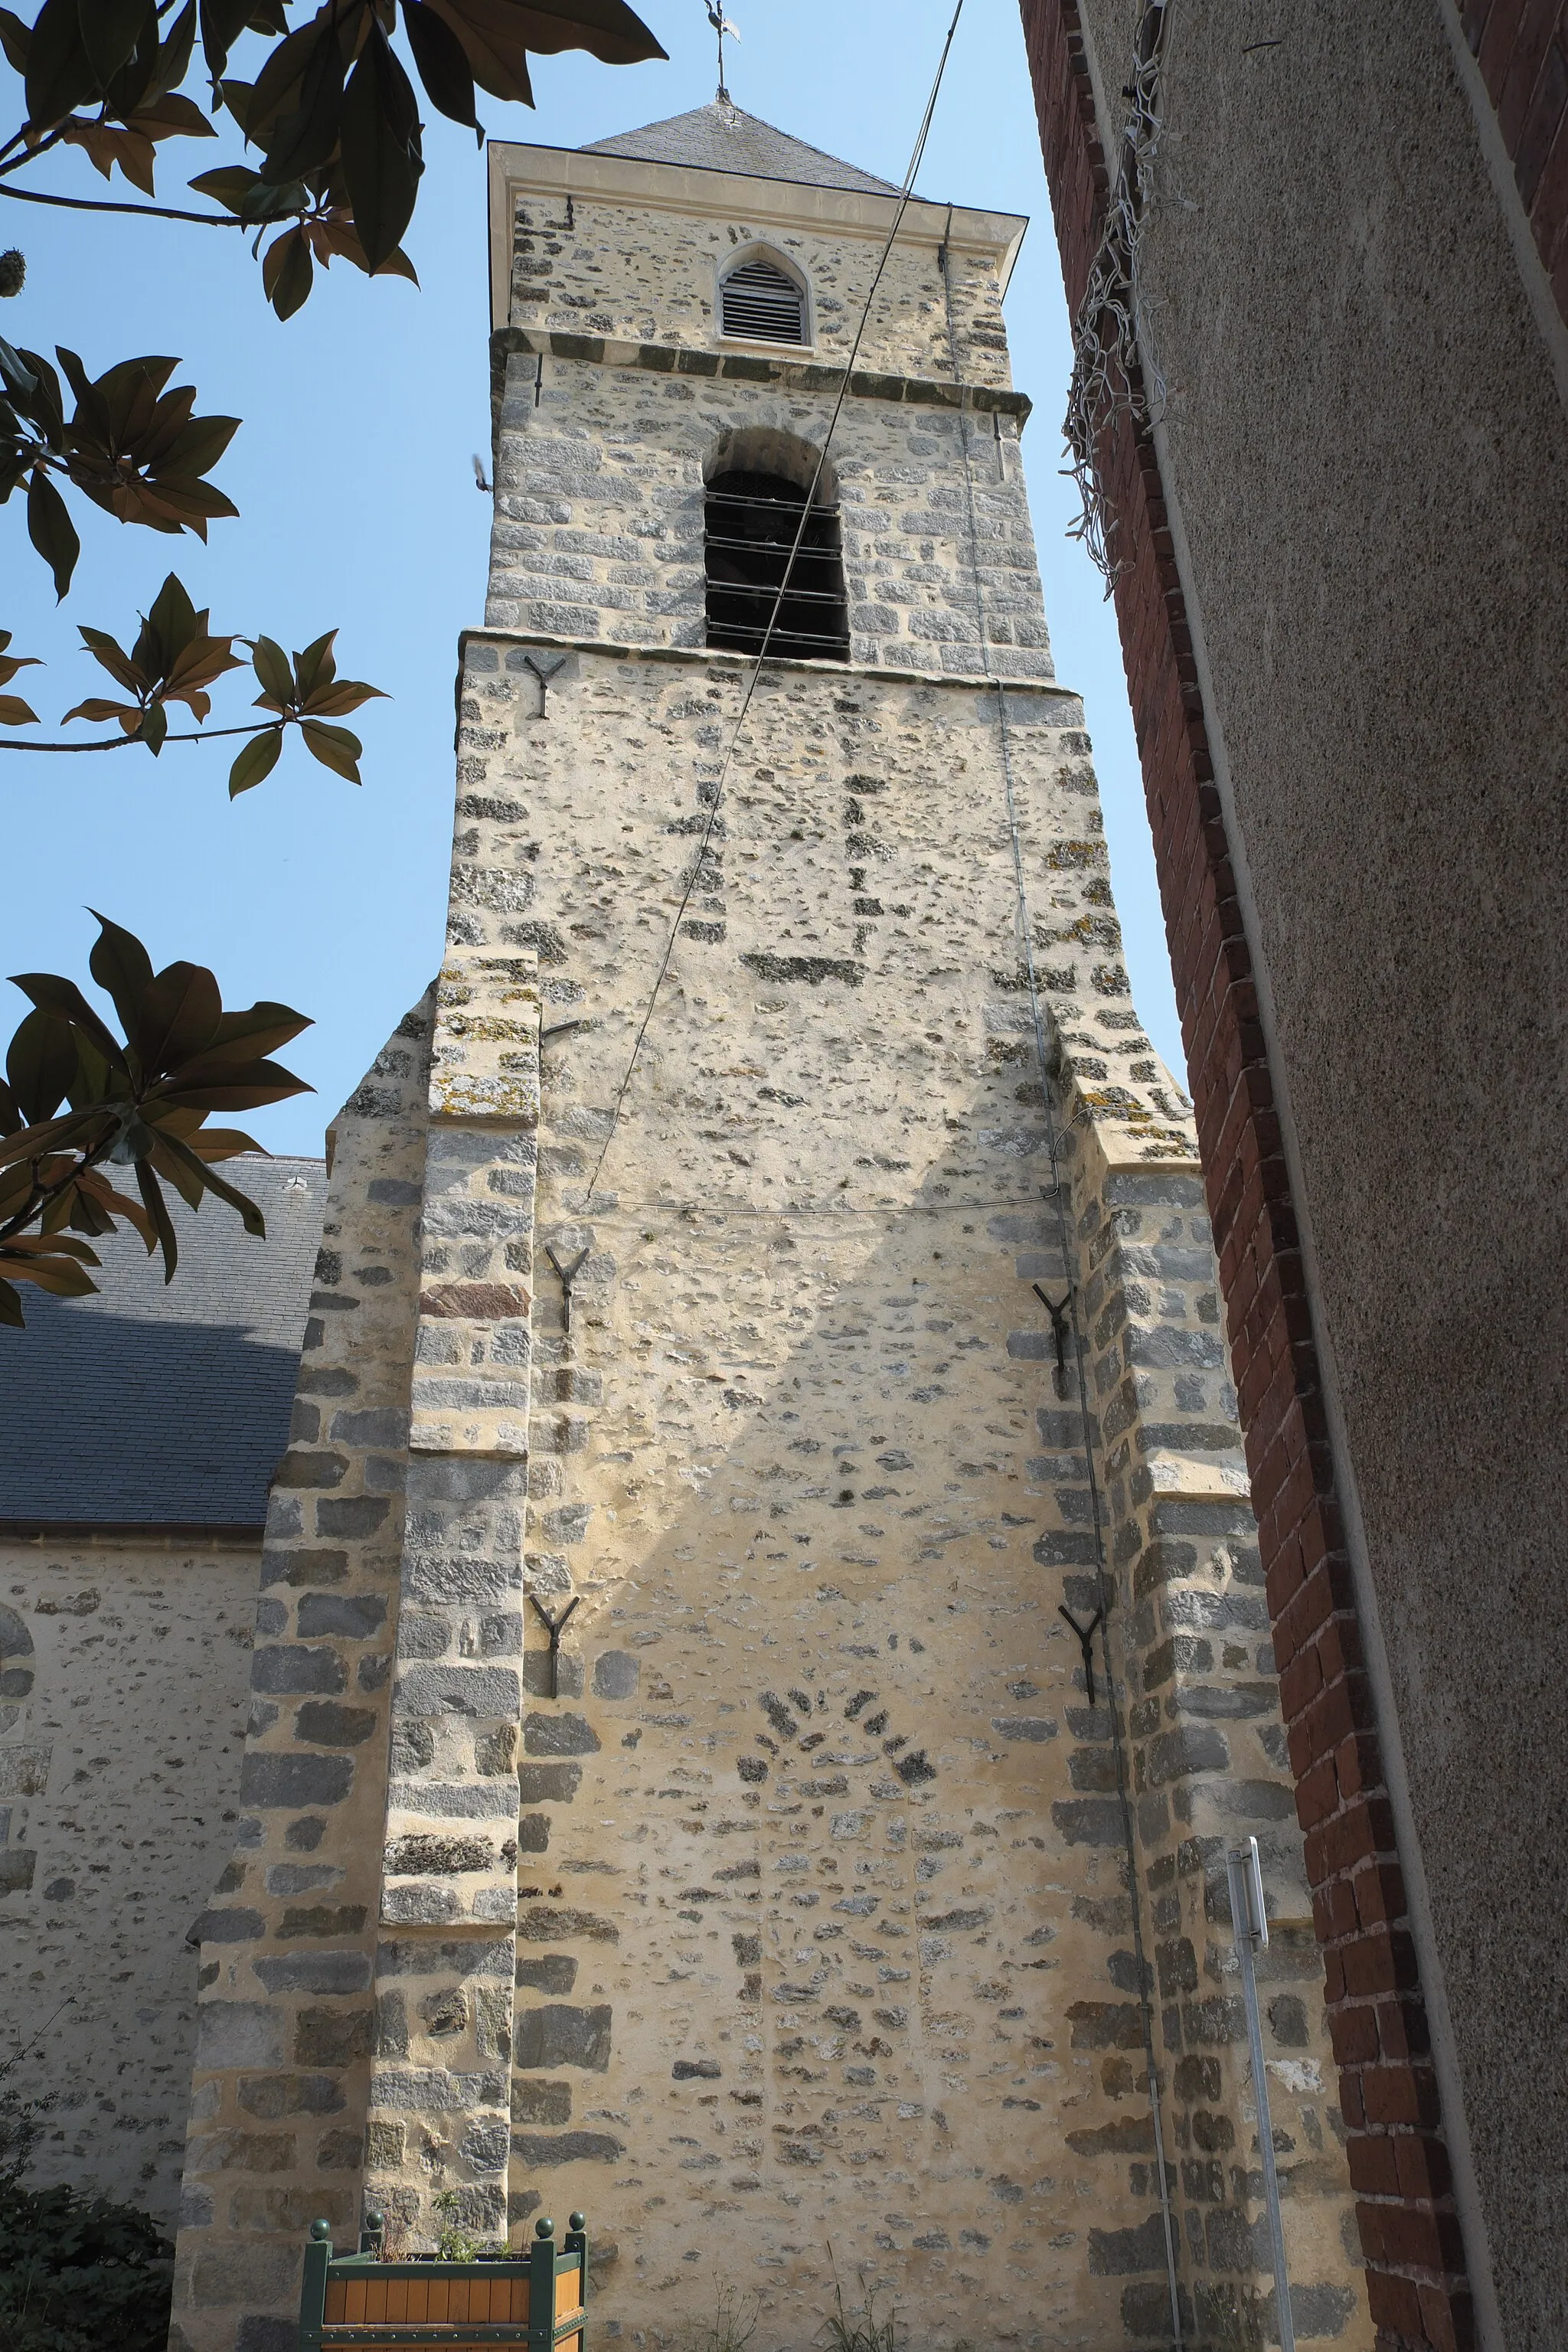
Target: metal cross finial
(721, 24)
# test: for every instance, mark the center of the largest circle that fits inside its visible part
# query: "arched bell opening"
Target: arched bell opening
(774, 561)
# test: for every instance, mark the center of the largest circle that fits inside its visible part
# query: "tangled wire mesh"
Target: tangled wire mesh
(1113, 373)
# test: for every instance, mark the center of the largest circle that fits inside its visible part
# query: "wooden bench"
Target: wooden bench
(534, 2299)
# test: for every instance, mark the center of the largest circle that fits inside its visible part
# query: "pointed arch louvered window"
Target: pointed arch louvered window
(760, 302)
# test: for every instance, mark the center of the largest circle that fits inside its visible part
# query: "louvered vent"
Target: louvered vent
(760, 303)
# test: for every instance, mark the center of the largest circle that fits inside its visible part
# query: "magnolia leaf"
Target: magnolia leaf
(224, 1143)
(170, 117)
(301, 137)
(96, 709)
(256, 763)
(14, 712)
(345, 694)
(382, 159)
(15, 40)
(257, 1028)
(155, 726)
(315, 667)
(51, 530)
(157, 1209)
(119, 664)
(286, 272)
(203, 1085)
(444, 68)
(335, 748)
(180, 1018)
(11, 663)
(40, 1064)
(60, 72)
(106, 145)
(171, 621)
(110, 29)
(270, 664)
(122, 969)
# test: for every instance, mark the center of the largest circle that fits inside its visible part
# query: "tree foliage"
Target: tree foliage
(331, 121)
(79, 1105)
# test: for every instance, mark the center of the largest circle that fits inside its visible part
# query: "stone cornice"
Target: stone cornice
(795, 375)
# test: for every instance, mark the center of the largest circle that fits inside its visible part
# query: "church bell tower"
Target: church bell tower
(761, 1658)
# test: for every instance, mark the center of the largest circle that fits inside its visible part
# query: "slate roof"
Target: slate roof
(724, 138)
(152, 1407)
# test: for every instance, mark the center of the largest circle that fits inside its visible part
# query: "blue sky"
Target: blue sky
(357, 504)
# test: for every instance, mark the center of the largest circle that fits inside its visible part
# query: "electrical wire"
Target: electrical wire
(699, 861)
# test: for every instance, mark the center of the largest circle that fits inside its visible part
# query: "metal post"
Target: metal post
(1249, 1922)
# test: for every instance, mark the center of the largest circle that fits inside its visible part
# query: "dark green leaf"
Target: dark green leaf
(124, 970)
(335, 748)
(315, 665)
(18, 380)
(172, 618)
(59, 73)
(44, 404)
(201, 1177)
(11, 1312)
(270, 664)
(381, 160)
(302, 138)
(51, 529)
(174, 60)
(205, 1085)
(223, 21)
(40, 1065)
(65, 1000)
(155, 726)
(15, 37)
(443, 68)
(256, 1029)
(157, 1208)
(182, 1011)
(288, 272)
(256, 763)
(110, 29)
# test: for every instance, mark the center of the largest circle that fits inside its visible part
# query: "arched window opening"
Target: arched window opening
(762, 304)
(753, 522)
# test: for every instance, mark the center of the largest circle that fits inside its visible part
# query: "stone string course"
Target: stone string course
(808, 1887)
(1399, 2156)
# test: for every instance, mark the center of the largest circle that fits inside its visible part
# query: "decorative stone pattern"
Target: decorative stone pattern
(1398, 2157)
(123, 1673)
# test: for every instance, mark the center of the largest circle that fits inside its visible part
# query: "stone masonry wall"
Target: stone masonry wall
(797, 1413)
(599, 513)
(589, 266)
(285, 2023)
(124, 1670)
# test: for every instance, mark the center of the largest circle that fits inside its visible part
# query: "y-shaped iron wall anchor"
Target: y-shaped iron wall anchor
(544, 666)
(1086, 1642)
(568, 1276)
(1058, 1311)
(555, 1627)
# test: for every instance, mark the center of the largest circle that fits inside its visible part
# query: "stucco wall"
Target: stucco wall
(123, 1673)
(1369, 464)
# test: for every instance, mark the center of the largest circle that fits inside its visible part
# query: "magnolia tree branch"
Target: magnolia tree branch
(127, 743)
(102, 205)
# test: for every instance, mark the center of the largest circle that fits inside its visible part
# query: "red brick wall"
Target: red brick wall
(1521, 48)
(1398, 2159)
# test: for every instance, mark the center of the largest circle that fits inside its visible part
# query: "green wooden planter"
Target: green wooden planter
(357, 2299)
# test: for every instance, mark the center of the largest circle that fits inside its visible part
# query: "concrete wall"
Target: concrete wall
(1364, 449)
(123, 1672)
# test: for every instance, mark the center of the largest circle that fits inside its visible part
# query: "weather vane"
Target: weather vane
(721, 24)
